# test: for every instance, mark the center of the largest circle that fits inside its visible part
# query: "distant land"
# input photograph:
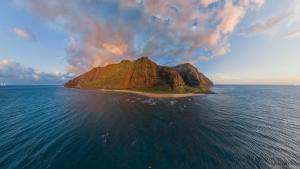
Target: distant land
(144, 75)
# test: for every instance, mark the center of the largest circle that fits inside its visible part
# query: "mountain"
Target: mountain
(143, 75)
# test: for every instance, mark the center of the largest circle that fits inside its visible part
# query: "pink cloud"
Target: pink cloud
(23, 33)
(294, 34)
(173, 28)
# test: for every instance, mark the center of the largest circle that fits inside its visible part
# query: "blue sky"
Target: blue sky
(231, 41)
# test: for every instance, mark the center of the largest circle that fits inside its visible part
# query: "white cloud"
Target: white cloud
(294, 20)
(12, 72)
(278, 24)
(264, 26)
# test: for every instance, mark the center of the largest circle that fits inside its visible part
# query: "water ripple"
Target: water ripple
(240, 127)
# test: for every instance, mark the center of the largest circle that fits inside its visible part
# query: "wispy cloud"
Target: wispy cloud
(203, 58)
(12, 72)
(295, 34)
(23, 33)
(264, 26)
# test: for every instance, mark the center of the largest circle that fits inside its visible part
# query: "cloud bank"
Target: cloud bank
(12, 72)
(105, 31)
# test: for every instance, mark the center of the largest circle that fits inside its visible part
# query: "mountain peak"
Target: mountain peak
(143, 59)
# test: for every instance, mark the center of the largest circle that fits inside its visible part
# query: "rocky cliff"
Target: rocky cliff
(143, 74)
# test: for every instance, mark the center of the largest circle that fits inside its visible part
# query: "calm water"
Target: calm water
(240, 127)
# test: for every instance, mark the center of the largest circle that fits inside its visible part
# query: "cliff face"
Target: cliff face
(192, 77)
(142, 74)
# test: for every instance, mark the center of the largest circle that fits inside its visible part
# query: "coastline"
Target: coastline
(155, 95)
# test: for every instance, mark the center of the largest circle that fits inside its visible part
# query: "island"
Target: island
(143, 76)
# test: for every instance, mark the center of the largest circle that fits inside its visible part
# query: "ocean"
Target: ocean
(239, 127)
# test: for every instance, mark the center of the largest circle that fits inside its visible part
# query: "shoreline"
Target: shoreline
(154, 95)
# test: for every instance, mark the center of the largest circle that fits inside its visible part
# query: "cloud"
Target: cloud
(203, 58)
(23, 33)
(278, 24)
(12, 72)
(205, 3)
(295, 34)
(265, 25)
(105, 31)
(293, 21)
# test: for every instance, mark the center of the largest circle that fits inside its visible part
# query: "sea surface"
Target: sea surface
(239, 127)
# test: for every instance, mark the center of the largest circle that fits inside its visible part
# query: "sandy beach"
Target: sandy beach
(155, 95)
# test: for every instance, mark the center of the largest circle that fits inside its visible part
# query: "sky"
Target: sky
(231, 41)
